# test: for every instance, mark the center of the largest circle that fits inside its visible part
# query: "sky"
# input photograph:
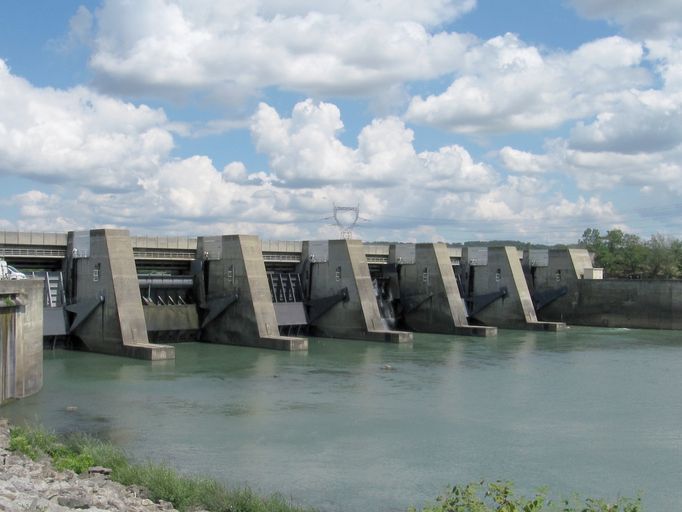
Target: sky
(441, 120)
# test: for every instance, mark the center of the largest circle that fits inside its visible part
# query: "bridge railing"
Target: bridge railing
(163, 255)
(35, 252)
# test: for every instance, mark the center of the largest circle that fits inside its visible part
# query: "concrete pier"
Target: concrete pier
(238, 308)
(340, 266)
(104, 296)
(497, 291)
(553, 276)
(429, 295)
(21, 338)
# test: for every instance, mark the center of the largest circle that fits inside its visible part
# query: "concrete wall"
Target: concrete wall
(21, 338)
(358, 317)
(117, 326)
(32, 238)
(430, 296)
(626, 303)
(235, 264)
(174, 323)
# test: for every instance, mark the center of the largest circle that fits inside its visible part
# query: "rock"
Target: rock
(74, 501)
(99, 470)
(37, 486)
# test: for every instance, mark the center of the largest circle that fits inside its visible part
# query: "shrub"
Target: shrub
(500, 497)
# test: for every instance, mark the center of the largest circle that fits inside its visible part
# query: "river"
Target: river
(357, 426)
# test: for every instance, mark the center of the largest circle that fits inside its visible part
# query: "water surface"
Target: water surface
(356, 426)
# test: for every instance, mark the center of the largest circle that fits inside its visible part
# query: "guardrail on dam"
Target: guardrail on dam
(109, 292)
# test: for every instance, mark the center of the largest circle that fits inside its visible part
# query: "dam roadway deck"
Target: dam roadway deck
(47, 251)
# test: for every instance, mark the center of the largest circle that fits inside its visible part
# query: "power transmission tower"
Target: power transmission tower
(346, 217)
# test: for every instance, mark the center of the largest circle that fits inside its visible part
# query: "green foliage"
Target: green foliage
(500, 497)
(628, 256)
(36, 443)
(33, 442)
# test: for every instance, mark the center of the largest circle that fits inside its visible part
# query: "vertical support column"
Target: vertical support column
(358, 316)
(234, 268)
(105, 296)
(21, 338)
(513, 309)
(430, 296)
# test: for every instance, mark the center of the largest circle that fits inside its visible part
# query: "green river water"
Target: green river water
(357, 426)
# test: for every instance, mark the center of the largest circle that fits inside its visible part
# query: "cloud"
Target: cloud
(599, 166)
(641, 122)
(523, 161)
(505, 85)
(77, 135)
(233, 50)
(110, 164)
(654, 18)
(305, 150)
(426, 12)
(666, 56)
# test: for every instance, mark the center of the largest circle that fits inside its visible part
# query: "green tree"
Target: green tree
(662, 261)
(633, 256)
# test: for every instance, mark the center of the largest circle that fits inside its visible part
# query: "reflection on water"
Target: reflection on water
(357, 426)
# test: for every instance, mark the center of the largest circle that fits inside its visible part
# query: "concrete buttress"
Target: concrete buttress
(430, 296)
(105, 300)
(502, 279)
(357, 317)
(235, 276)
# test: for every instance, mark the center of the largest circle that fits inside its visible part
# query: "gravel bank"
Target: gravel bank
(37, 486)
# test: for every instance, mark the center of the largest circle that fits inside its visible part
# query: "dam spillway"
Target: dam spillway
(110, 292)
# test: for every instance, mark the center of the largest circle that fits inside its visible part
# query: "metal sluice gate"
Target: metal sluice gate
(288, 299)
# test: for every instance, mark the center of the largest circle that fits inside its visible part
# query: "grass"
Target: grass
(80, 452)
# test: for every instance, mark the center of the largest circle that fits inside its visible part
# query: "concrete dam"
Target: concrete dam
(109, 292)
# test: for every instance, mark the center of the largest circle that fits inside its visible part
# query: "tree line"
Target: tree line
(624, 255)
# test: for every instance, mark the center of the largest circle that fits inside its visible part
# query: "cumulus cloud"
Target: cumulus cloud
(305, 149)
(599, 166)
(666, 56)
(642, 122)
(77, 135)
(111, 165)
(654, 18)
(505, 85)
(523, 162)
(232, 50)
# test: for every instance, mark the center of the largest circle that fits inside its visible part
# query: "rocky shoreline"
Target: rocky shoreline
(36, 486)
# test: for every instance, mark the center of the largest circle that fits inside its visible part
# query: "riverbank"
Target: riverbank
(36, 485)
(39, 471)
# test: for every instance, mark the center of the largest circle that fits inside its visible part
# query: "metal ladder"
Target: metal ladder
(54, 289)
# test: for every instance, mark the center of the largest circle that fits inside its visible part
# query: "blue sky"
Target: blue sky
(443, 119)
